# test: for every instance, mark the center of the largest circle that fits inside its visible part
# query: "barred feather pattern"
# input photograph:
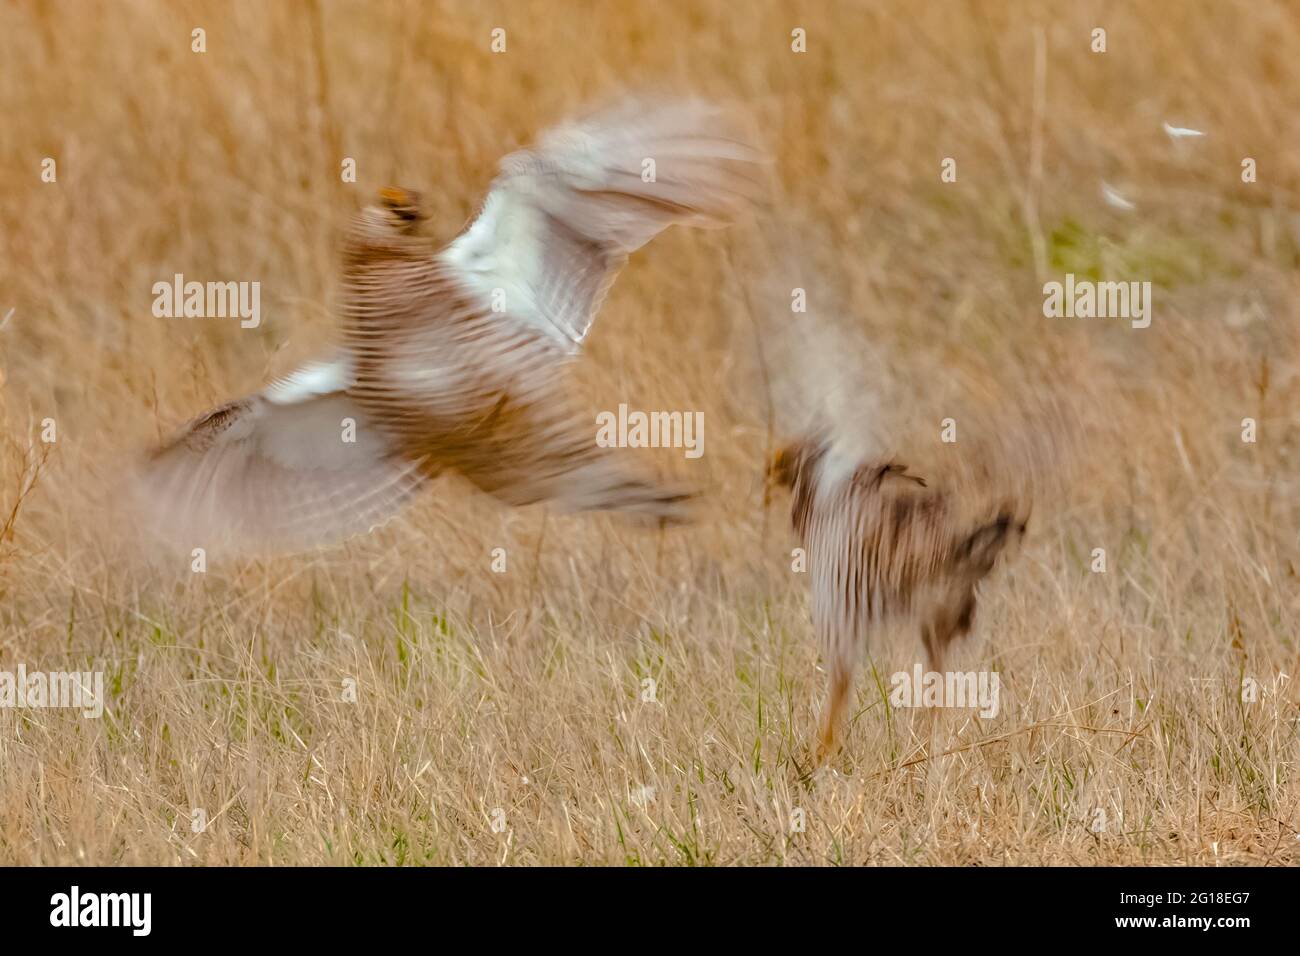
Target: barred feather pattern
(455, 359)
(881, 545)
(459, 386)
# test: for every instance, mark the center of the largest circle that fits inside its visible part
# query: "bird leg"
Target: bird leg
(832, 712)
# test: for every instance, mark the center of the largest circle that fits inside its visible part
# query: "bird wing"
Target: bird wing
(454, 356)
(561, 218)
(295, 466)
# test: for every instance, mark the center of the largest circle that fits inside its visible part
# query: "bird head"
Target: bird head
(401, 207)
(387, 229)
(792, 461)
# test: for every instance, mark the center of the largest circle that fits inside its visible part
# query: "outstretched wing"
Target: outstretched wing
(297, 465)
(433, 371)
(562, 217)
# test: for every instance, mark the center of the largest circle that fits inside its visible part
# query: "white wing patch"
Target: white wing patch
(561, 218)
(499, 258)
(313, 379)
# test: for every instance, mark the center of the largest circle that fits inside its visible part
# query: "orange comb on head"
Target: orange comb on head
(404, 202)
(781, 467)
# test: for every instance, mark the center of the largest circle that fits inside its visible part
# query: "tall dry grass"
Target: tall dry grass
(522, 692)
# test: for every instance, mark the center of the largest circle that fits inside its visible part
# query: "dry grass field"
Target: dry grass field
(499, 718)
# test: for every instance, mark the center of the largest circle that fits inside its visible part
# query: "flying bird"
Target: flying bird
(455, 359)
(882, 546)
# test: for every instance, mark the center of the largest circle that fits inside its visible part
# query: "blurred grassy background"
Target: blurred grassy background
(522, 691)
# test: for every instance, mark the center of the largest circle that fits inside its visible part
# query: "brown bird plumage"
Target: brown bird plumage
(455, 359)
(882, 546)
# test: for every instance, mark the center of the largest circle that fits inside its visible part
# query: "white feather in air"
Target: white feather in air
(1181, 132)
(1113, 198)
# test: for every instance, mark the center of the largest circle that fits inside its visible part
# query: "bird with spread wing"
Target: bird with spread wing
(454, 359)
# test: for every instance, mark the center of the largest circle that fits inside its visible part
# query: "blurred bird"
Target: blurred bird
(454, 359)
(882, 546)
